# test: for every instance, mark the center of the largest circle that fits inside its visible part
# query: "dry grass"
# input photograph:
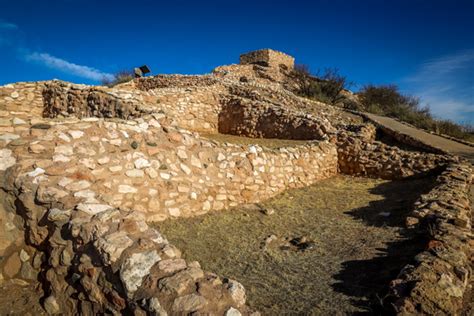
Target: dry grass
(357, 249)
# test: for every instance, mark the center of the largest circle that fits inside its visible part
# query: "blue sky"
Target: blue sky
(426, 47)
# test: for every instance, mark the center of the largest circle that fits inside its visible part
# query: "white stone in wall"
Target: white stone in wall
(232, 312)
(86, 194)
(185, 169)
(182, 154)
(195, 162)
(151, 172)
(93, 208)
(141, 163)
(9, 137)
(103, 160)
(61, 158)
(18, 121)
(64, 150)
(206, 206)
(36, 172)
(135, 268)
(112, 245)
(165, 175)
(135, 173)
(123, 188)
(220, 157)
(115, 168)
(116, 142)
(76, 134)
(174, 211)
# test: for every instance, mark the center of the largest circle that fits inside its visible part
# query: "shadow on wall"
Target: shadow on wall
(367, 281)
(243, 118)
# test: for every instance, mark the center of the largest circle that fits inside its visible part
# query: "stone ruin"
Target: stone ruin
(84, 169)
(269, 58)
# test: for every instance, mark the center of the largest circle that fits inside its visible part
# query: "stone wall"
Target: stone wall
(20, 102)
(193, 108)
(64, 99)
(174, 81)
(83, 182)
(85, 187)
(360, 155)
(268, 57)
(244, 117)
(434, 284)
(109, 261)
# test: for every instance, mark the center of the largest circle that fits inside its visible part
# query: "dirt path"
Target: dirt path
(427, 138)
(353, 227)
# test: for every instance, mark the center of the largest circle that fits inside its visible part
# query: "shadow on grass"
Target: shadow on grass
(366, 281)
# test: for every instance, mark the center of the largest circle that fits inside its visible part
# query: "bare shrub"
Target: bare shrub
(388, 100)
(325, 87)
(121, 76)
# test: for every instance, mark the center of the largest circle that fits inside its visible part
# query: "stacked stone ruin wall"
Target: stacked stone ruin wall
(23, 99)
(437, 279)
(268, 57)
(174, 81)
(192, 108)
(243, 117)
(86, 187)
(374, 159)
(76, 182)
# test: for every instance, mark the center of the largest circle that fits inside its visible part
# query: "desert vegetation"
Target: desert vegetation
(325, 86)
(121, 76)
(328, 86)
(389, 101)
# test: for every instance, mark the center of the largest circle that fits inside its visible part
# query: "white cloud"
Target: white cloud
(7, 26)
(68, 67)
(446, 84)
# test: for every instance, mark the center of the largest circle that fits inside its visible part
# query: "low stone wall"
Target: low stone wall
(75, 182)
(110, 261)
(83, 189)
(193, 108)
(20, 101)
(174, 81)
(434, 284)
(359, 155)
(75, 100)
(261, 120)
